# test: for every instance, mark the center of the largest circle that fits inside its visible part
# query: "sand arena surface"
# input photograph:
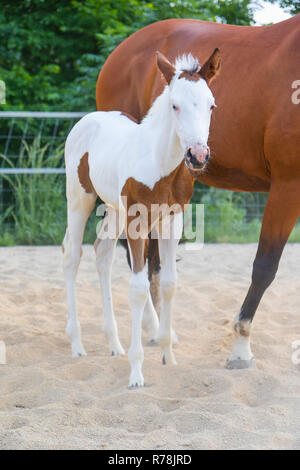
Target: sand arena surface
(50, 401)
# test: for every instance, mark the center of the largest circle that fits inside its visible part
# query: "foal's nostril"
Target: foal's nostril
(207, 157)
(193, 160)
(189, 153)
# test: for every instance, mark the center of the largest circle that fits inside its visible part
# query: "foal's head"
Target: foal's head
(191, 102)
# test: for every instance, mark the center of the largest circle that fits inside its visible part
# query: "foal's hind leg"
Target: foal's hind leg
(281, 214)
(78, 213)
(105, 251)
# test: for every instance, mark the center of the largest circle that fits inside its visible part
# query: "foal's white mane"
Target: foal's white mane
(183, 63)
(186, 63)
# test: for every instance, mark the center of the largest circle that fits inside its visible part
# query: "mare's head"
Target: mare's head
(191, 103)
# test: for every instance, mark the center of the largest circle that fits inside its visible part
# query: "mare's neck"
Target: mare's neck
(159, 133)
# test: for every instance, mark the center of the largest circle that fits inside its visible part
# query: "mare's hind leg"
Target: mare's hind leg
(281, 214)
(105, 251)
(79, 209)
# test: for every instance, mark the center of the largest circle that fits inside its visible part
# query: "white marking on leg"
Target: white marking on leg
(138, 292)
(241, 356)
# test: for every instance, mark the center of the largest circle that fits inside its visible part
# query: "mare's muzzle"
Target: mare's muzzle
(196, 156)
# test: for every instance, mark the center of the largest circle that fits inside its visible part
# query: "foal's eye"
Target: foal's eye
(213, 106)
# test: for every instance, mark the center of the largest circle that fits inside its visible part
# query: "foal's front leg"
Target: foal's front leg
(168, 278)
(138, 293)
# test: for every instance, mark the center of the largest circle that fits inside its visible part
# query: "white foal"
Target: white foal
(129, 164)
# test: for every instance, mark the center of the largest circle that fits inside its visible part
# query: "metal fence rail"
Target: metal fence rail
(17, 127)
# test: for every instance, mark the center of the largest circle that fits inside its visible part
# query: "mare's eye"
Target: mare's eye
(175, 107)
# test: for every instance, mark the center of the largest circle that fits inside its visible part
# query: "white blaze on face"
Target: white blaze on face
(192, 103)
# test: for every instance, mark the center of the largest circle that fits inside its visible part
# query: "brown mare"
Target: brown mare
(255, 131)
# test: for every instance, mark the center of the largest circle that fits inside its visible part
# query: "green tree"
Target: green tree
(51, 51)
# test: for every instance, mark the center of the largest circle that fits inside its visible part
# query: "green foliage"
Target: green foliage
(227, 217)
(39, 199)
(293, 6)
(51, 51)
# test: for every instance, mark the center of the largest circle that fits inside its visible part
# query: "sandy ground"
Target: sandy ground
(50, 401)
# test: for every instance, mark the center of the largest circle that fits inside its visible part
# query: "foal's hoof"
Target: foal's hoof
(117, 350)
(78, 351)
(136, 380)
(241, 364)
(135, 387)
(169, 359)
(152, 342)
(79, 354)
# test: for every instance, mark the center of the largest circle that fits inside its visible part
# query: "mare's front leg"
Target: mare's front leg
(138, 293)
(281, 214)
(168, 278)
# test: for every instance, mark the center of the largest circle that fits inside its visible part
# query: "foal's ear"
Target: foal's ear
(166, 68)
(211, 67)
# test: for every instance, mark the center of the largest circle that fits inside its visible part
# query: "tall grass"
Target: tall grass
(35, 208)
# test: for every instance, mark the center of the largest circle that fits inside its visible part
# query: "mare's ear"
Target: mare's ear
(166, 68)
(211, 67)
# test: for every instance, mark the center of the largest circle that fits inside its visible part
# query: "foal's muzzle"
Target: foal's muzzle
(196, 156)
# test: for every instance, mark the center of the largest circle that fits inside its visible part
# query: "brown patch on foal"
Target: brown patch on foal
(129, 116)
(193, 76)
(84, 174)
(176, 188)
(208, 70)
(137, 248)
